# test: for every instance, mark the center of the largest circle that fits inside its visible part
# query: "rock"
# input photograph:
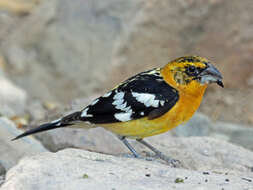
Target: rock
(36, 110)
(13, 99)
(198, 125)
(98, 140)
(78, 169)
(12, 151)
(204, 153)
(19, 7)
(111, 40)
(1, 180)
(234, 133)
(70, 49)
(2, 170)
(163, 30)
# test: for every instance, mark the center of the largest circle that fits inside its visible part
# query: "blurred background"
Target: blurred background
(57, 55)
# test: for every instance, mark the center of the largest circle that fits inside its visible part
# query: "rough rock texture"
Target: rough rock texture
(2, 170)
(98, 140)
(13, 99)
(107, 41)
(172, 28)
(19, 7)
(198, 125)
(1, 180)
(12, 151)
(80, 33)
(234, 133)
(78, 169)
(201, 125)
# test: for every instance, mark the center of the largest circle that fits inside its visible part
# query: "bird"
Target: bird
(147, 104)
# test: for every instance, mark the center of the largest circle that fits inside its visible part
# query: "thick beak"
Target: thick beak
(211, 75)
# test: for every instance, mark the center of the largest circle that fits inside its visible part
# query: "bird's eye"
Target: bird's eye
(192, 69)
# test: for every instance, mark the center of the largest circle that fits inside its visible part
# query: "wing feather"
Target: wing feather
(144, 95)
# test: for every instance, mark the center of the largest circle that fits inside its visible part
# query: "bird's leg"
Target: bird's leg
(124, 140)
(159, 154)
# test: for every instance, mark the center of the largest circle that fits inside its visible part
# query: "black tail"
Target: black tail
(65, 121)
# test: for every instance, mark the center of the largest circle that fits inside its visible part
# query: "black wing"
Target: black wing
(144, 95)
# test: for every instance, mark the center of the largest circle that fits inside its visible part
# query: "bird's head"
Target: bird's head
(191, 72)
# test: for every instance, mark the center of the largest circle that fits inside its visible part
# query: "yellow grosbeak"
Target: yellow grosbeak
(147, 104)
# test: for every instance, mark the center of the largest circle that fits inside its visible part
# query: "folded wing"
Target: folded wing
(144, 95)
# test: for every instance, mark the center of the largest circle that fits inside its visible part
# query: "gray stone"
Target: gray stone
(70, 48)
(198, 125)
(78, 169)
(85, 46)
(12, 151)
(2, 170)
(1, 180)
(13, 99)
(97, 139)
(234, 133)
(163, 30)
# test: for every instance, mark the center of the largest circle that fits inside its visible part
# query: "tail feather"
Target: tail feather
(63, 122)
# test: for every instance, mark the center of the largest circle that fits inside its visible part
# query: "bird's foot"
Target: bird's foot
(130, 155)
(170, 161)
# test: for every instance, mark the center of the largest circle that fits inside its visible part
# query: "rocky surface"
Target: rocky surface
(81, 34)
(1, 180)
(201, 125)
(237, 134)
(172, 28)
(12, 151)
(208, 164)
(108, 41)
(13, 99)
(2, 170)
(198, 125)
(19, 7)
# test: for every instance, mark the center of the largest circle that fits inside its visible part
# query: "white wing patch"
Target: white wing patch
(85, 114)
(147, 99)
(119, 96)
(57, 122)
(123, 116)
(107, 94)
(94, 102)
(162, 102)
(119, 102)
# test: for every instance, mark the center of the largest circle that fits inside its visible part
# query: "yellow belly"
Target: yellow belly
(140, 128)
